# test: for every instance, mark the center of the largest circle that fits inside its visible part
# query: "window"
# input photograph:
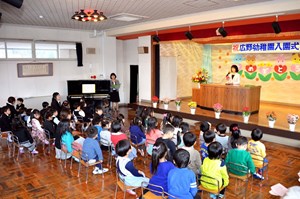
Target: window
(19, 49)
(67, 51)
(46, 50)
(2, 50)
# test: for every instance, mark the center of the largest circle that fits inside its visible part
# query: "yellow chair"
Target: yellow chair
(150, 193)
(234, 167)
(214, 183)
(121, 184)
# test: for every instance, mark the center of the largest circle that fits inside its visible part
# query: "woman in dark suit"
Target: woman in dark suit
(114, 91)
(55, 103)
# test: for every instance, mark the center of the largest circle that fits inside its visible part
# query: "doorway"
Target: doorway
(134, 83)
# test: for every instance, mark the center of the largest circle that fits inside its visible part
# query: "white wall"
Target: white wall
(145, 70)
(33, 88)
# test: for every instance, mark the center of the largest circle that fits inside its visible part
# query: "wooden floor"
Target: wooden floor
(42, 176)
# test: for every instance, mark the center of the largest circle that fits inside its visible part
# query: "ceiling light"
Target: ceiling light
(41, 16)
(89, 15)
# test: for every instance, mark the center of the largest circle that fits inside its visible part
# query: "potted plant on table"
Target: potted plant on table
(246, 114)
(271, 116)
(292, 120)
(178, 103)
(200, 77)
(166, 102)
(154, 101)
(192, 106)
(218, 109)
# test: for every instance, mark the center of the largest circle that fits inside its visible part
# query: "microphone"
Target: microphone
(227, 74)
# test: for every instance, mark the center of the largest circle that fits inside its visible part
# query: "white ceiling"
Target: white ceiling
(57, 13)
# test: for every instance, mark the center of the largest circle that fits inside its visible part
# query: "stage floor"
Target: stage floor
(259, 119)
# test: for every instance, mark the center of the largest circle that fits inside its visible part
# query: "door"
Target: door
(134, 87)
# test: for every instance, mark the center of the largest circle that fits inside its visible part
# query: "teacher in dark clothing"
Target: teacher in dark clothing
(55, 103)
(114, 91)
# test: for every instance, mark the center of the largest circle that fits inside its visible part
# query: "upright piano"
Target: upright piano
(93, 91)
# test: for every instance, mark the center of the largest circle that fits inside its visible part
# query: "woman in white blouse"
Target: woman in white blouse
(233, 77)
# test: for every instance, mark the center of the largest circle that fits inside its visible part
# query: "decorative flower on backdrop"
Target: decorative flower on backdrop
(201, 76)
(154, 99)
(192, 104)
(218, 107)
(250, 68)
(271, 116)
(178, 101)
(246, 111)
(292, 118)
(295, 68)
(166, 100)
(265, 68)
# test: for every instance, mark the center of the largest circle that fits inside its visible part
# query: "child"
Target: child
(160, 167)
(107, 113)
(222, 137)
(97, 124)
(54, 115)
(24, 136)
(92, 150)
(78, 113)
(27, 117)
(105, 135)
(182, 181)
(98, 112)
(176, 121)
(5, 119)
(167, 119)
(49, 125)
(235, 134)
(240, 156)
(167, 136)
(209, 137)
(189, 140)
(45, 106)
(212, 167)
(125, 167)
(146, 115)
(66, 136)
(257, 149)
(37, 130)
(20, 104)
(204, 126)
(121, 119)
(11, 104)
(183, 128)
(153, 133)
(137, 135)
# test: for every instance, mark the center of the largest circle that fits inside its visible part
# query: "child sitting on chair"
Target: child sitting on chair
(181, 180)
(209, 137)
(125, 167)
(37, 130)
(137, 135)
(152, 134)
(240, 156)
(258, 151)
(92, 151)
(222, 137)
(213, 168)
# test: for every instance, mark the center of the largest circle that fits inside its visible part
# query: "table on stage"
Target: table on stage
(233, 98)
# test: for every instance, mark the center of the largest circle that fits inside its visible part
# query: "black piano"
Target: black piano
(93, 91)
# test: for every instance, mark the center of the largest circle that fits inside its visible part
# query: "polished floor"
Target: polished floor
(42, 176)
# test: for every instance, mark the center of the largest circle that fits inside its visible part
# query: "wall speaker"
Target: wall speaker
(79, 54)
(189, 35)
(222, 31)
(143, 50)
(276, 27)
(15, 3)
(156, 38)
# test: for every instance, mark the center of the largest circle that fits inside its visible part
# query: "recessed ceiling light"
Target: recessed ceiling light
(41, 16)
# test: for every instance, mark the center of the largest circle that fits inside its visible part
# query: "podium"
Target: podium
(233, 98)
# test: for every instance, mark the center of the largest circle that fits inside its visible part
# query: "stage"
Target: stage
(258, 120)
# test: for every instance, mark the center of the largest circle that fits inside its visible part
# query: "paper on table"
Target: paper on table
(278, 190)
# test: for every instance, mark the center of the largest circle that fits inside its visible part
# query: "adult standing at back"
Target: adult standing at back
(55, 103)
(114, 91)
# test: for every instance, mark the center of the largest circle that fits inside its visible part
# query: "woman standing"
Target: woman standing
(114, 91)
(233, 77)
(55, 103)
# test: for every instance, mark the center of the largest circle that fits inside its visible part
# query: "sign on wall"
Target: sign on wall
(292, 46)
(35, 69)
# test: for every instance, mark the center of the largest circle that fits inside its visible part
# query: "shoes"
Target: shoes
(34, 151)
(131, 192)
(258, 176)
(213, 196)
(21, 150)
(99, 171)
(91, 161)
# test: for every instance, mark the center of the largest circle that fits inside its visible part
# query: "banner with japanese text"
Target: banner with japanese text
(292, 46)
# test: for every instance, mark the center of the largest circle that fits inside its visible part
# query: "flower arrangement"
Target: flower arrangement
(246, 111)
(271, 116)
(217, 107)
(192, 104)
(166, 100)
(155, 99)
(292, 118)
(178, 101)
(201, 76)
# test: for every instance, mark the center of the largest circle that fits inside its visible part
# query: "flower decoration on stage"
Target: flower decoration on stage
(201, 76)
(192, 104)
(178, 101)
(271, 116)
(155, 99)
(166, 100)
(246, 111)
(265, 70)
(292, 118)
(218, 107)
